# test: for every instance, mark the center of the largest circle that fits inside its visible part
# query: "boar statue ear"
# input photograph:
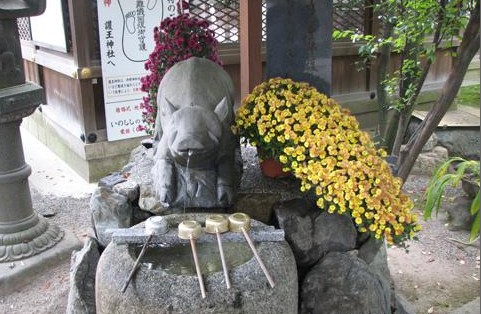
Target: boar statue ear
(166, 107)
(222, 109)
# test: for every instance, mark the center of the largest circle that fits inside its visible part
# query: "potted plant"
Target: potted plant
(323, 146)
(467, 173)
(176, 39)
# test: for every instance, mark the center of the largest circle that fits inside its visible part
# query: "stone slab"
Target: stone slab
(463, 117)
(13, 275)
(138, 235)
(472, 307)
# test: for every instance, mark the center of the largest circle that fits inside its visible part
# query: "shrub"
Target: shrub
(466, 169)
(322, 144)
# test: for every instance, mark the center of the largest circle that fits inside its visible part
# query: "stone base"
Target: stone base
(157, 290)
(15, 274)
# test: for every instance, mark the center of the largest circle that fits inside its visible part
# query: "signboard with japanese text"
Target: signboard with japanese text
(126, 40)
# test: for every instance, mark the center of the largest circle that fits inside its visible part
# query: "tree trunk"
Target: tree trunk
(382, 99)
(411, 53)
(404, 117)
(465, 53)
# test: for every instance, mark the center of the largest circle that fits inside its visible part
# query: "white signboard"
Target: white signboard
(126, 40)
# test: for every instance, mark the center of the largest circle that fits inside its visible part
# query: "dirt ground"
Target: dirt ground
(437, 275)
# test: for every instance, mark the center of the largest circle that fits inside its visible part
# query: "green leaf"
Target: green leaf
(475, 227)
(434, 194)
(475, 205)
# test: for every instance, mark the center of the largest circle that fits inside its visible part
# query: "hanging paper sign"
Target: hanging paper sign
(126, 40)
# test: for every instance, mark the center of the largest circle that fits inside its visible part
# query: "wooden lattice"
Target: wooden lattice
(224, 18)
(349, 15)
(23, 25)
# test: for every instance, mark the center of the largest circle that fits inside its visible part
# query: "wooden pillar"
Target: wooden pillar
(250, 45)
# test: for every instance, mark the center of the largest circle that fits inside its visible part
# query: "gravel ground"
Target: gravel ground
(436, 276)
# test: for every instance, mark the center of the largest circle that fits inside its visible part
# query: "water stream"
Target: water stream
(188, 186)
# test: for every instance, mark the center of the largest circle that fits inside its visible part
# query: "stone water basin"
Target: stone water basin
(166, 280)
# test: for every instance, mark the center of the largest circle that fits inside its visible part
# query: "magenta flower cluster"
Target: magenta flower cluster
(177, 39)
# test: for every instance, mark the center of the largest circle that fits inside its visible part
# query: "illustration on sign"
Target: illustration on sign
(126, 40)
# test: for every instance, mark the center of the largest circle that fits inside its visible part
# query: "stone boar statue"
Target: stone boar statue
(197, 159)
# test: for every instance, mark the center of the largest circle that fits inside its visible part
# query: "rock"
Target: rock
(312, 234)
(379, 265)
(430, 144)
(128, 188)
(343, 283)
(139, 215)
(257, 205)
(148, 201)
(296, 218)
(140, 165)
(111, 180)
(426, 163)
(81, 298)
(458, 214)
(370, 249)
(402, 305)
(462, 142)
(157, 290)
(109, 210)
(470, 186)
(334, 232)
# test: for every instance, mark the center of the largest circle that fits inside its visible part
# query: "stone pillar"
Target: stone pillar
(23, 232)
(299, 41)
(24, 235)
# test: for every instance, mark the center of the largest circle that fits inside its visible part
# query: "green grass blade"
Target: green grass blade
(475, 205)
(475, 227)
(434, 195)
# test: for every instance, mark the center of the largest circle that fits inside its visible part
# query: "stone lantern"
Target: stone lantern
(25, 237)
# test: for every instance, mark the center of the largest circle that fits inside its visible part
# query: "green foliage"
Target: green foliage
(469, 96)
(415, 30)
(412, 22)
(444, 177)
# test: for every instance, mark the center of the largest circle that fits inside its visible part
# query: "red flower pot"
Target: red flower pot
(272, 168)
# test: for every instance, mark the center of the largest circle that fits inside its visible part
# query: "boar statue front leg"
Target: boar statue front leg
(225, 183)
(165, 184)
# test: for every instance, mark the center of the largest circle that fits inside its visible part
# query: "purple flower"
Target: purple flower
(176, 39)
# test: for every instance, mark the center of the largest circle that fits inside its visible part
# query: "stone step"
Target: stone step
(463, 116)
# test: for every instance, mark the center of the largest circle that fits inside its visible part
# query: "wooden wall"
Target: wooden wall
(73, 82)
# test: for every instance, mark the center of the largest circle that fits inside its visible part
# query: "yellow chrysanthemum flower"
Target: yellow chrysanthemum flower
(322, 144)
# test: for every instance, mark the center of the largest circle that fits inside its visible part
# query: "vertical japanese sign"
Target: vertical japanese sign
(126, 40)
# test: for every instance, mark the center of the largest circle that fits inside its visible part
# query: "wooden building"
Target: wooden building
(72, 122)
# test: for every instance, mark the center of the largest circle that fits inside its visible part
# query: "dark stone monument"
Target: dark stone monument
(24, 234)
(299, 41)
